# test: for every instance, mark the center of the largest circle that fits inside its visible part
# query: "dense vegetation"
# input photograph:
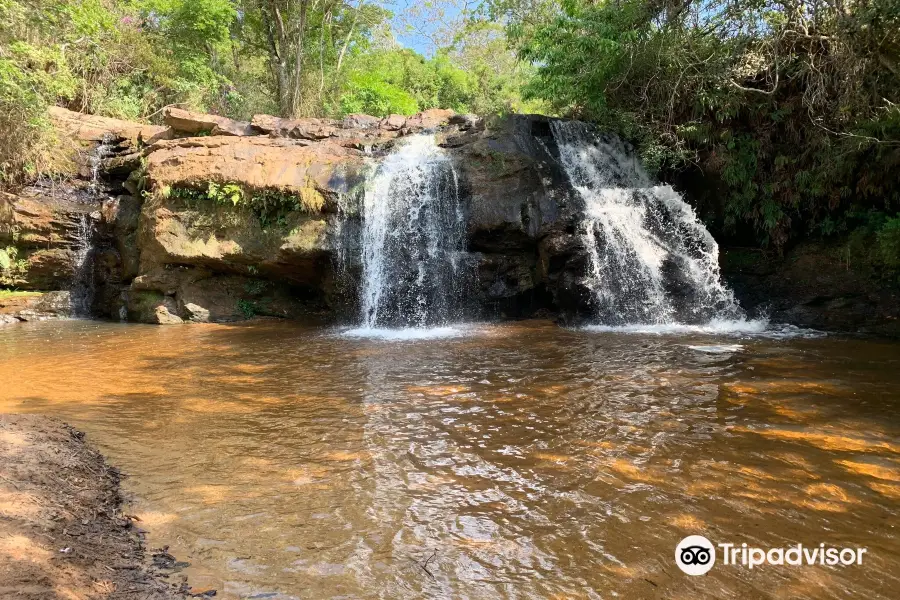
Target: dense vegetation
(781, 117)
(789, 109)
(131, 58)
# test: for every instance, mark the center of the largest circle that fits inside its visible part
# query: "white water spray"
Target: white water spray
(651, 260)
(412, 238)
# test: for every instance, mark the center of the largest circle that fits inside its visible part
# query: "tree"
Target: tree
(791, 110)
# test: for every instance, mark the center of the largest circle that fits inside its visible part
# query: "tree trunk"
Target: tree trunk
(297, 83)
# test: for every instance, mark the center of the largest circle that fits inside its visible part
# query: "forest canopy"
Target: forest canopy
(294, 58)
(781, 118)
(790, 109)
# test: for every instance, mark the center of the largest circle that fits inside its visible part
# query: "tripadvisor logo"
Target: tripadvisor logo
(696, 555)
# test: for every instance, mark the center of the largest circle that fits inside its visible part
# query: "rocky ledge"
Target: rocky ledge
(212, 219)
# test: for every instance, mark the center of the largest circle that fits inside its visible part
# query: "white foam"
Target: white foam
(739, 327)
(406, 333)
(718, 349)
(714, 327)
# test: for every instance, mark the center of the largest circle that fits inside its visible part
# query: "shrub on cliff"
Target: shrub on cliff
(791, 110)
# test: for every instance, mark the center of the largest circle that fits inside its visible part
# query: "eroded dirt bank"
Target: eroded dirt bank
(62, 533)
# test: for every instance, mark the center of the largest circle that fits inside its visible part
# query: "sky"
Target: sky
(416, 22)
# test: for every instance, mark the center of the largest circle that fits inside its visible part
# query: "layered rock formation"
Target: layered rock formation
(211, 219)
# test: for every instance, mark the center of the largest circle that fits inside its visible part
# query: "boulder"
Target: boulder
(257, 164)
(302, 129)
(428, 119)
(94, 128)
(392, 122)
(466, 121)
(196, 313)
(184, 121)
(152, 307)
(34, 306)
(360, 121)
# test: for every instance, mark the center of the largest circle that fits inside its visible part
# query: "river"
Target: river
(521, 460)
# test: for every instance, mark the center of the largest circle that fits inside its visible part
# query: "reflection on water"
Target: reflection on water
(522, 461)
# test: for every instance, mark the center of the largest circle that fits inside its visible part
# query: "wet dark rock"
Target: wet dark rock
(465, 121)
(812, 286)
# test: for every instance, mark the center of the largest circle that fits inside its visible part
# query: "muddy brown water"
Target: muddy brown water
(516, 461)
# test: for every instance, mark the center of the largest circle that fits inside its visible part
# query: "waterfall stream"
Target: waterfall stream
(651, 260)
(413, 235)
(81, 294)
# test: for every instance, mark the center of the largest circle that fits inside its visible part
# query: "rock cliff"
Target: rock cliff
(210, 219)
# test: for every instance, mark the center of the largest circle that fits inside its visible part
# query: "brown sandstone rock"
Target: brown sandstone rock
(42, 223)
(93, 128)
(429, 119)
(255, 163)
(231, 240)
(186, 121)
(360, 121)
(392, 122)
(303, 129)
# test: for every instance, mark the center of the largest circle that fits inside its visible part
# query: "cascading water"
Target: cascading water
(81, 296)
(651, 261)
(413, 236)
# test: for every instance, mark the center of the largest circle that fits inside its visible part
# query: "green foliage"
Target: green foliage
(889, 243)
(793, 115)
(248, 308)
(6, 294)
(228, 193)
(131, 58)
(256, 287)
(368, 93)
(403, 82)
(271, 207)
(12, 268)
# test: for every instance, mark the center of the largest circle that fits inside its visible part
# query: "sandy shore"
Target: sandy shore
(62, 532)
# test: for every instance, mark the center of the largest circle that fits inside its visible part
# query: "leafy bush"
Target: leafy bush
(12, 269)
(792, 115)
(271, 207)
(247, 308)
(889, 243)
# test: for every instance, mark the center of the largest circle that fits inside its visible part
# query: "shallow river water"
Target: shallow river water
(514, 461)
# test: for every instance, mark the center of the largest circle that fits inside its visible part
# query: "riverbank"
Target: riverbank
(62, 532)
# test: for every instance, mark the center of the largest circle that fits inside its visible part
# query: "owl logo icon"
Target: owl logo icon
(695, 555)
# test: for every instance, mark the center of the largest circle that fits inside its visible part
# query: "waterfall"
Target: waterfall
(413, 235)
(81, 296)
(650, 259)
(103, 149)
